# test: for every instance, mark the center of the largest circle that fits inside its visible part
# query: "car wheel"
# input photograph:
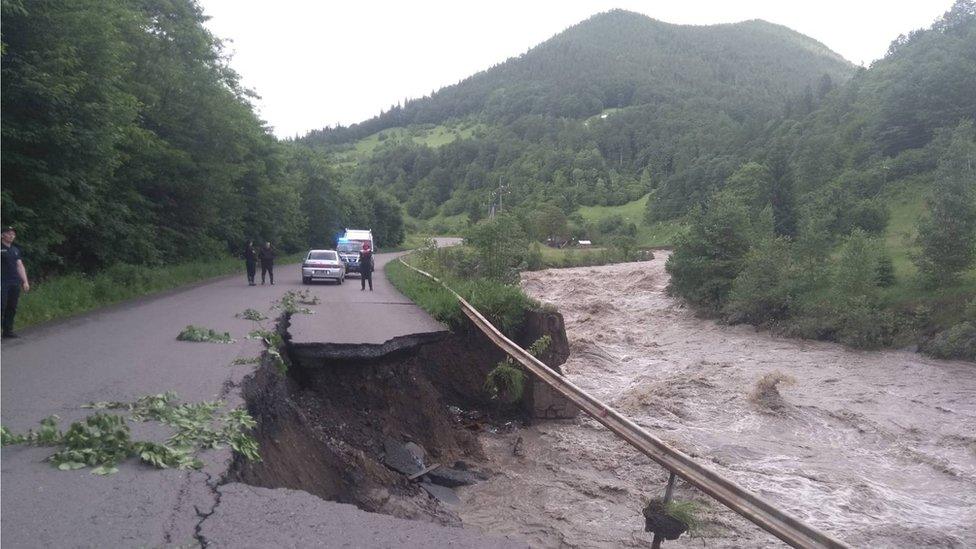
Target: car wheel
(306, 280)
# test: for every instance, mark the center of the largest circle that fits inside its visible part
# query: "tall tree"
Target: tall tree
(65, 109)
(947, 235)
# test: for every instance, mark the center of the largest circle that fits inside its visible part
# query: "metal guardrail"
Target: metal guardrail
(778, 523)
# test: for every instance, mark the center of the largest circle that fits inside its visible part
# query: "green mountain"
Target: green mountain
(600, 114)
(620, 59)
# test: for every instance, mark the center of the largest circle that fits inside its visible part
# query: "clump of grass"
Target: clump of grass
(685, 511)
(766, 392)
(199, 334)
(244, 361)
(506, 382)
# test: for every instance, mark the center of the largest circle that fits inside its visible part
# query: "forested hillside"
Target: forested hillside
(128, 139)
(601, 114)
(822, 200)
(856, 222)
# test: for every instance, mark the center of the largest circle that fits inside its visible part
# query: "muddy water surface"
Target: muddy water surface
(877, 448)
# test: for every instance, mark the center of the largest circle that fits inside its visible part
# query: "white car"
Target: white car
(323, 265)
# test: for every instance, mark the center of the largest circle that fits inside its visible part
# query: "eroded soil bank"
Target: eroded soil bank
(340, 428)
(877, 448)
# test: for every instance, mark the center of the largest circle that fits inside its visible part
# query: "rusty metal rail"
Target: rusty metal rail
(778, 523)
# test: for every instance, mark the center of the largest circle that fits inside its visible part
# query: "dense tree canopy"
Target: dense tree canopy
(127, 138)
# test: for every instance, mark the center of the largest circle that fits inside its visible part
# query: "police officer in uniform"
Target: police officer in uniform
(250, 261)
(14, 277)
(366, 266)
(267, 256)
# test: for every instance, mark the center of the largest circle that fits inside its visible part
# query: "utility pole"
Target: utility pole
(499, 193)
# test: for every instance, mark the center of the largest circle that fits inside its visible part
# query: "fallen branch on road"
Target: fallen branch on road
(103, 440)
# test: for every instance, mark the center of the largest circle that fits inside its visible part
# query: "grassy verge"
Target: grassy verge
(504, 305)
(68, 295)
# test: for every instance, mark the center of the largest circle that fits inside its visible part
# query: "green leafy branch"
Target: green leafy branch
(274, 342)
(200, 334)
(103, 440)
(251, 314)
(292, 301)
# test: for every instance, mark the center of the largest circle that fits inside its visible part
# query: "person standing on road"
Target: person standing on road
(250, 261)
(366, 266)
(267, 256)
(14, 277)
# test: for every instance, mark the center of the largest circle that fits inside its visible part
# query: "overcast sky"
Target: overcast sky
(322, 63)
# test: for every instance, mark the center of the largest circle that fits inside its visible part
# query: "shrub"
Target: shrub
(500, 245)
(958, 342)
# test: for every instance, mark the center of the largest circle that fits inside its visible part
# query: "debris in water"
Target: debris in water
(766, 394)
(518, 449)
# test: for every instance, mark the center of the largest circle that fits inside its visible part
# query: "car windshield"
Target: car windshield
(349, 247)
(327, 255)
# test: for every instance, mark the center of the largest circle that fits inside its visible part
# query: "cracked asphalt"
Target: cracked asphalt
(126, 351)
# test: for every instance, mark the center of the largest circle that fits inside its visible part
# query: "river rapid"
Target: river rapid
(876, 448)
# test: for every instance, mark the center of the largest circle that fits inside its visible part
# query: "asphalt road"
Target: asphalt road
(130, 350)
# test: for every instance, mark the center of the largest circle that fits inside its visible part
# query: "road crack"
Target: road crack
(205, 514)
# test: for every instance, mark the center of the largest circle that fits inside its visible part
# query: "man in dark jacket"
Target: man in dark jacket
(14, 278)
(366, 266)
(250, 261)
(267, 256)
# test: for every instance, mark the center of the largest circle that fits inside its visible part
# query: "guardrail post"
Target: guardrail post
(668, 493)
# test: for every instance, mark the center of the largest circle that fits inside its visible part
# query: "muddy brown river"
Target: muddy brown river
(876, 448)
